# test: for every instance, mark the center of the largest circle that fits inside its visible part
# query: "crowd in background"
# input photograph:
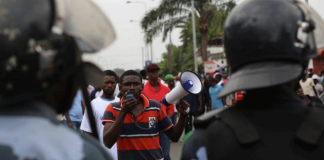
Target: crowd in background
(310, 90)
(109, 92)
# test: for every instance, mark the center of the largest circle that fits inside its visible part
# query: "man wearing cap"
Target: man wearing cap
(170, 81)
(155, 90)
(268, 45)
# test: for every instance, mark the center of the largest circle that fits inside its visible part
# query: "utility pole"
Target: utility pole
(143, 61)
(151, 52)
(147, 52)
(194, 34)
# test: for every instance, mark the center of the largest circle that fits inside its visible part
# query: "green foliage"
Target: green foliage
(181, 61)
(175, 14)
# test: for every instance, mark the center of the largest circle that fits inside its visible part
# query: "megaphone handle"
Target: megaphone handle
(188, 109)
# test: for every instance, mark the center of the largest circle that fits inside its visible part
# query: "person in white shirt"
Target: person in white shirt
(308, 86)
(116, 92)
(99, 105)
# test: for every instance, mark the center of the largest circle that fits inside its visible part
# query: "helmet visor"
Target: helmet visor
(311, 14)
(93, 74)
(85, 21)
(319, 30)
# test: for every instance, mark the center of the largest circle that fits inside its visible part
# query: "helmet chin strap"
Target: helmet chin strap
(86, 98)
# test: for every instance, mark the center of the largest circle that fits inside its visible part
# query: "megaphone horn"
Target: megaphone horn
(190, 84)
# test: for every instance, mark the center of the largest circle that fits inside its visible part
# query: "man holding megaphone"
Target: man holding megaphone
(154, 89)
(134, 123)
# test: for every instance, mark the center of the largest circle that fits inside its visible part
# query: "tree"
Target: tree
(172, 13)
(181, 61)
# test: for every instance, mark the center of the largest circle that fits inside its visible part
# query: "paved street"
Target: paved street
(175, 150)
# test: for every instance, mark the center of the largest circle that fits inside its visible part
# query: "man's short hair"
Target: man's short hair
(211, 79)
(130, 73)
(110, 73)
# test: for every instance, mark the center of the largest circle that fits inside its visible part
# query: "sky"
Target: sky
(126, 51)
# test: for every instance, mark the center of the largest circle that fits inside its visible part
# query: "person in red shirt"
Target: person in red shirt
(154, 89)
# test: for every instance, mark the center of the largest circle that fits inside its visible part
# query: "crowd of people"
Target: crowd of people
(154, 87)
(107, 106)
(269, 107)
(132, 127)
(151, 86)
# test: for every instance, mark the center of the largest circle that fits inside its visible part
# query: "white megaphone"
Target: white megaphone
(190, 83)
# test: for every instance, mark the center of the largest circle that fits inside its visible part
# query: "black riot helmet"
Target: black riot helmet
(269, 42)
(41, 42)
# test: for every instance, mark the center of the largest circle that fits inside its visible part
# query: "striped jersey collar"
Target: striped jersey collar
(146, 101)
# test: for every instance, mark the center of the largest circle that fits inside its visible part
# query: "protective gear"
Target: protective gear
(40, 44)
(269, 43)
(267, 121)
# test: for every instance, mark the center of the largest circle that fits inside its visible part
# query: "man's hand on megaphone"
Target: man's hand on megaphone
(183, 107)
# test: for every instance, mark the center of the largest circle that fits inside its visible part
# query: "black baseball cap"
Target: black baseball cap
(152, 67)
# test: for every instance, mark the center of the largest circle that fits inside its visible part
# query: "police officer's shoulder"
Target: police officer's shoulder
(312, 128)
(206, 119)
(93, 150)
(234, 119)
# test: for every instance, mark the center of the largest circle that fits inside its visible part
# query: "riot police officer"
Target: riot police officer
(41, 70)
(268, 44)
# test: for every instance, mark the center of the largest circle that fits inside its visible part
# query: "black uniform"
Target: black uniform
(40, 71)
(33, 132)
(265, 125)
(268, 44)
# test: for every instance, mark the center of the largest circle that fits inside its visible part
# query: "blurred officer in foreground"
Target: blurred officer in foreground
(268, 45)
(41, 70)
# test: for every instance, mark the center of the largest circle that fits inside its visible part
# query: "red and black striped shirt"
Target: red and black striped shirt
(140, 139)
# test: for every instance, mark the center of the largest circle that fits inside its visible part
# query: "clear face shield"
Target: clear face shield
(90, 27)
(319, 30)
(92, 32)
(85, 21)
(314, 38)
